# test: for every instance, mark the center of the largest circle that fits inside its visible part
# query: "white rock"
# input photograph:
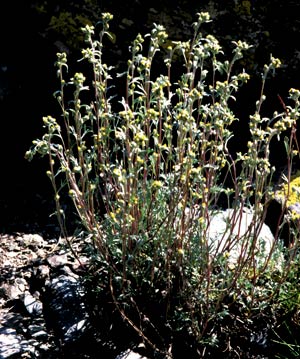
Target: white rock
(235, 232)
(129, 354)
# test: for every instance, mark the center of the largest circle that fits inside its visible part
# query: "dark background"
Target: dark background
(27, 82)
(32, 32)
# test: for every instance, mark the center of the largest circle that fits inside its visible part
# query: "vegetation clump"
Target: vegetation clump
(147, 171)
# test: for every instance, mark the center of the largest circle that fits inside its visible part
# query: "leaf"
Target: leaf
(286, 144)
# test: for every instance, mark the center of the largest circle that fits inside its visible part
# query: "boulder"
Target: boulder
(240, 235)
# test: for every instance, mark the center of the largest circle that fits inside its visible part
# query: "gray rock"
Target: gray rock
(37, 331)
(10, 342)
(65, 311)
(57, 260)
(16, 290)
(32, 304)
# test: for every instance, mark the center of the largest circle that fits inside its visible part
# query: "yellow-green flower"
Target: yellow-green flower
(156, 184)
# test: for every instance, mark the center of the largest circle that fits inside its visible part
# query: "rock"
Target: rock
(34, 240)
(35, 274)
(16, 290)
(38, 330)
(232, 232)
(65, 311)
(32, 304)
(57, 260)
(130, 354)
(9, 343)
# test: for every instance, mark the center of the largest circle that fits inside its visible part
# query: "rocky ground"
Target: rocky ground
(42, 311)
